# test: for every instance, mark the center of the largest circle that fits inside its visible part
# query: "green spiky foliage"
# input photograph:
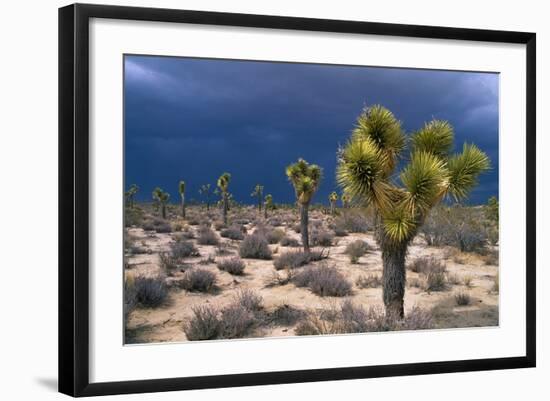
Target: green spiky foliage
(491, 209)
(130, 195)
(305, 178)
(161, 198)
(268, 204)
(333, 198)
(258, 193)
(223, 186)
(181, 190)
(401, 203)
(205, 192)
(156, 198)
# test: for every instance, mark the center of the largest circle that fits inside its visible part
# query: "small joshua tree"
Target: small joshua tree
(130, 195)
(365, 170)
(162, 198)
(305, 179)
(345, 198)
(491, 209)
(223, 185)
(181, 190)
(333, 198)
(268, 204)
(156, 198)
(205, 192)
(258, 193)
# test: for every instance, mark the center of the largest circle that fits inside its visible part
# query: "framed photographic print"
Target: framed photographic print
(250, 199)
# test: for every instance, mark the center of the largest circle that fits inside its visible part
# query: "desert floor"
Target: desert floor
(165, 323)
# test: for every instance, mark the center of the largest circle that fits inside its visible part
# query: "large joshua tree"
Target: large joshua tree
(181, 190)
(365, 170)
(258, 193)
(268, 204)
(305, 179)
(223, 185)
(333, 198)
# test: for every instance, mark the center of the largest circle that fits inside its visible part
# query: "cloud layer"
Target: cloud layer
(193, 119)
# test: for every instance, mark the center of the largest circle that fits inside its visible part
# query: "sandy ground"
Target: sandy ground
(165, 323)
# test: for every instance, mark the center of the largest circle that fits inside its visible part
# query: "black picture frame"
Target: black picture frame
(74, 200)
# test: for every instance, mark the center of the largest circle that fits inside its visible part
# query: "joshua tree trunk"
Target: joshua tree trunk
(394, 278)
(265, 211)
(163, 211)
(225, 208)
(332, 208)
(259, 204)
(304, 217)
(183, 206)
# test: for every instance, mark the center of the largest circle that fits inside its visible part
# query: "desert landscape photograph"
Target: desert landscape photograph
(274, 199)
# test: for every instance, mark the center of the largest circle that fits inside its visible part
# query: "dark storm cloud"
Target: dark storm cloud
(193, 119)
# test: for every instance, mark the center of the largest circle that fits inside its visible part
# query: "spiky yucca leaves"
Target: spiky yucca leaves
(365, 168)
(223, 185)
(258, 193)
(268, 204)
(181, 190)
(332, 198)
(305, 179)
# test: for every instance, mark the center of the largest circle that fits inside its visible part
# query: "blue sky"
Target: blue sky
(192, 119)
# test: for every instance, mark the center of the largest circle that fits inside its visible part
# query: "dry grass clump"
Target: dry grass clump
(232, 265)
(255, 246)
(186, 233)
(157, 224)
(150, 292)
(207, 236)
(275, 236)
(370, 281)
(351, 222)
(321, 238)
(285, 315)
(183, 249)
(496, 285)
(324, 281)
(234, 232)
(204, 325)
(356, 249)
(130, 298)
(198, 280)
(468, 281)
(463, 298)
(426, 265)
(289, 241)
(295, 259)
(218, 225)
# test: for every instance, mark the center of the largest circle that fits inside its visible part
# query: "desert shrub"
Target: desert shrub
(286, 315)
(130, 298)
(417, 319)
(294, 259)
(210, 259)
(453, 279)
(352, 222)
(255, 246)
(492, 235)
(218, 225)
(426, 265)
(198, 280)
(234, 232)
(249, 300)
(339, 231)
(177, 226)
(193, 220)
(297, 228)
(274, 236)
(289, 241)
(185, 234)
(321, 238)
(224, 249)
(237, 321)
(207, 236)
(468, 281)
(436, 228)
(496, 285)
(435, 281)
(275, 221)
(370, 281)
(232, 265)
(204, 325)
(158, 225)
(356, 249)
(150, 291)
(491, 258)
(323, 281)
(133, 217)
(183, 249)
(463, 298)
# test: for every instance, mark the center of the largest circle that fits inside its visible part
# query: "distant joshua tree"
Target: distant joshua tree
(259, 194)
(333, 198)
(205, 192)
(130, 195)
(305, 179)
(223, 185)
(268, 204)
(181, 190)
(491, 209)
(365, 171)
(162, 198)
(345, 198)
